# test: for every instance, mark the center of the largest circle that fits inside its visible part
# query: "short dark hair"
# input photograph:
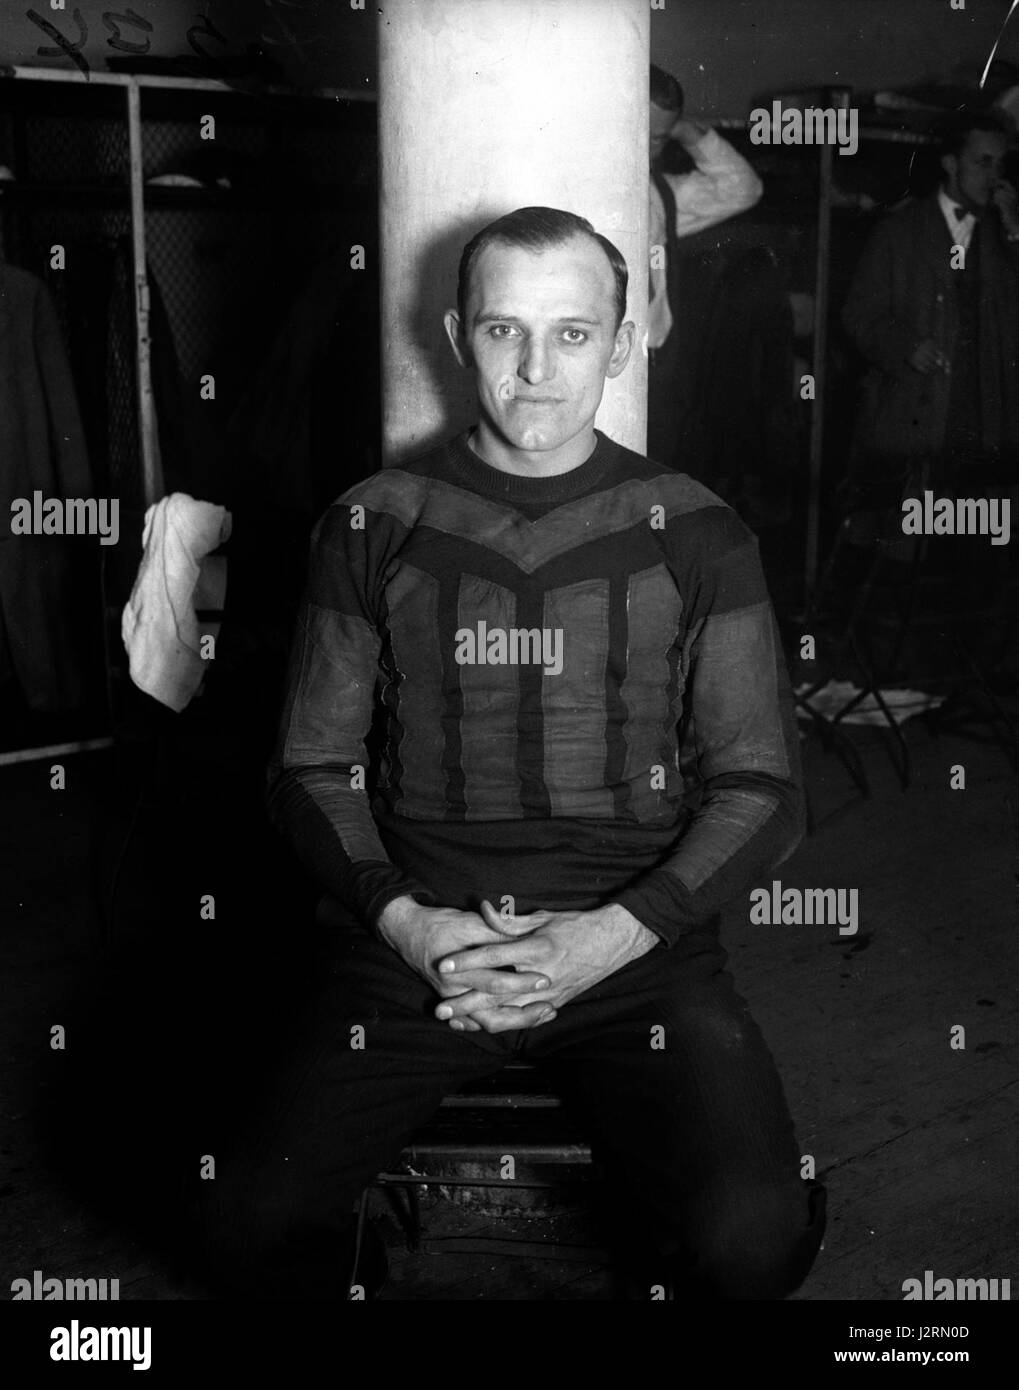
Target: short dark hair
(535, 229)
(665, 91)
(955, 134)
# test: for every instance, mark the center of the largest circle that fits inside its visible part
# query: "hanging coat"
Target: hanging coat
(42, 447)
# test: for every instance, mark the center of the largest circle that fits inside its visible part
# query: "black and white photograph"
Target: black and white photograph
(509, 679)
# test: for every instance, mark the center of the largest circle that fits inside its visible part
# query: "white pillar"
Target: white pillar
(486, 106)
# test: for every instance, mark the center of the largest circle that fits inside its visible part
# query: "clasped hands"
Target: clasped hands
(553, 956)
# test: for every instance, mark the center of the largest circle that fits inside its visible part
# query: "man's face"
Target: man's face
(541, 336)
(973, 173)
(660, 122)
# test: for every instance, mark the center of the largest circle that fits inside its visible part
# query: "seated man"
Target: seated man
(537, 616)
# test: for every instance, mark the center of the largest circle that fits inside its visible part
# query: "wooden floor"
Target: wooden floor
(915, 1140)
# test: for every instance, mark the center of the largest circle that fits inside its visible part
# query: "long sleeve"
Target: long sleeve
(317, 792)
(743, 733)
(722, 185)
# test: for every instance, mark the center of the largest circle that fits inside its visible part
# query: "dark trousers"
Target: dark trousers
(697, 1132)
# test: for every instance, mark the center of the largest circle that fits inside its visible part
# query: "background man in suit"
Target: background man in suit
(934, 310)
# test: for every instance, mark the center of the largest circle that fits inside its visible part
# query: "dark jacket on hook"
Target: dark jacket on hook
(42, 447)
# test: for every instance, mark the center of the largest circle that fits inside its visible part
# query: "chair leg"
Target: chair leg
(834, 740)
(871, 687)
(1010, 744)
(362, 1213)
(406, 1208)
(414, 1211)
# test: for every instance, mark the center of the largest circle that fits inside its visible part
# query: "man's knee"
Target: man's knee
(759, 1244)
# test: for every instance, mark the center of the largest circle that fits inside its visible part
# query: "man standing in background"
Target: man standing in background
(934, 310)
(720, 185)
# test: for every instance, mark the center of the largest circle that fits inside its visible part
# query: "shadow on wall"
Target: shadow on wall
(441, 378)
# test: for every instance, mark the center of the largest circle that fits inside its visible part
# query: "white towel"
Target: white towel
(161, 633)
